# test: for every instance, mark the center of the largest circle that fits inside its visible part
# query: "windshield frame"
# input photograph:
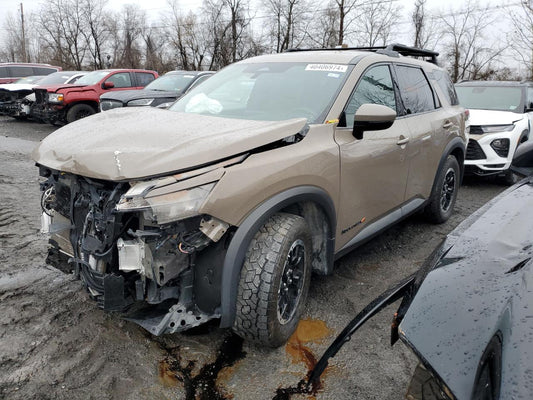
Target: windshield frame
(179, 105)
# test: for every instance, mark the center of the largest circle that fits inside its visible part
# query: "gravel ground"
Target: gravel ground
(56, 344)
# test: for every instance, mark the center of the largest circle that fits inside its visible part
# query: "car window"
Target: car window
(43, 71)
(446, 85)
(3, 72)
(375, 87)
(502, 98)
(198, 81)
(120, 80)
(21, 71)
(415, 91)
(144, 78)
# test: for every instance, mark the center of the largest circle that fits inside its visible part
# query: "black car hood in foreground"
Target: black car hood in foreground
(481, 288)
(127, 95)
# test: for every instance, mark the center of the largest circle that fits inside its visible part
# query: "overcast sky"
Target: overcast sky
(155, 7)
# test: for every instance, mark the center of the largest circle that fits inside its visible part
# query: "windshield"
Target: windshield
(267, 91)
(92, 78)
(55, 78)
(176, 83)
(30, 79)
(501, 98)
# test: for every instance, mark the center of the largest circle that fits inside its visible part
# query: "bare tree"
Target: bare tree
(61, 25)
(465, 42)
(377, 22)
(95, 31)
(289, 23)
(521, 39)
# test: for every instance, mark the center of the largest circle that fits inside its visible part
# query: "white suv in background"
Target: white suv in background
(500, 120)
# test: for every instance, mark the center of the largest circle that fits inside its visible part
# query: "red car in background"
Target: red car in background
(10, 72)
(63, 104)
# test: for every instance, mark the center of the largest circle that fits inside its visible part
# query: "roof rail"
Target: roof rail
(391, 50)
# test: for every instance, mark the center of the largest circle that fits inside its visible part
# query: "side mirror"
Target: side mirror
(108, 85)
(372, 117)
(523, 159)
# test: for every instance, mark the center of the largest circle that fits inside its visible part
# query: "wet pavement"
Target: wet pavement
(56, 344)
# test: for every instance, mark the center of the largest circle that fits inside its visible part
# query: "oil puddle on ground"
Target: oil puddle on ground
(202, 386)
(308, 331)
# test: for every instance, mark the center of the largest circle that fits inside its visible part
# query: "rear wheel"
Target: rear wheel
(274, 281)
(79, 111)
(444, 193)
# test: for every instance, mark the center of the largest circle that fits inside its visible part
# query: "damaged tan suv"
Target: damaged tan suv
(223, 206)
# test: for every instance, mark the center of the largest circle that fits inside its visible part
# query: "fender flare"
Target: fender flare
(244, 234)
(455, 143)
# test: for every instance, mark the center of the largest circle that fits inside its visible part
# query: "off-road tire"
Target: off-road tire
(440, 207)
(261, 281)
(79, 111)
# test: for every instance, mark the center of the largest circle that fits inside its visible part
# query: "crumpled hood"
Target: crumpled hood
(489, 117)
(126, 143)
(13, 87)
(55, 88)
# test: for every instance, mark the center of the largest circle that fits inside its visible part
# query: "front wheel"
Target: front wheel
(444, 192)
(79, 111)
(274, 281)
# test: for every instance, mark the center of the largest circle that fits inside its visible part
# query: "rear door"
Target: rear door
(430, 127)
(373, 169)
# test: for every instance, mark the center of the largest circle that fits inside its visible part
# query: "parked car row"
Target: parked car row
(67, 96)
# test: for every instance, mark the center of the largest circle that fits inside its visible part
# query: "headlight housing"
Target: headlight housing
(140, 102)
(56, 97)
(109, 104)
(165, 105)
(167, 207)
(497, 128)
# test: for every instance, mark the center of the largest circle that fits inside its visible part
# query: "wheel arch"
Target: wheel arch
(456, 148)
(307, 201)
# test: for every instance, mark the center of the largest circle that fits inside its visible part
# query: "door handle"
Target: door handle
(402, 140)
(447, 125)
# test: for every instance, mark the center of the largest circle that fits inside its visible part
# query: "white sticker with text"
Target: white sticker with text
(326, 67)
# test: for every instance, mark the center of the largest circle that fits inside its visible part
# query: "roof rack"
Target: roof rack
(391, 50)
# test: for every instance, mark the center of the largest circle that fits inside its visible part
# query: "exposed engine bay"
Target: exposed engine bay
(132, 253)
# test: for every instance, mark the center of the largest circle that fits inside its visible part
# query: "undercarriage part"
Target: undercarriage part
(178, 318)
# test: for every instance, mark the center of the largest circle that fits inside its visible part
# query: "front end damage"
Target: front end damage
(140, 248)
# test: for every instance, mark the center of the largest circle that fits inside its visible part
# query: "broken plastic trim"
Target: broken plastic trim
(375, 306)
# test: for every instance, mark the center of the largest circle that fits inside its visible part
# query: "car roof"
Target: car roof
(495, 83)
(183, 72)
(351, 56)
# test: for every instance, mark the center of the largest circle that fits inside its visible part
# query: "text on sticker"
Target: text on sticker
(326, 67)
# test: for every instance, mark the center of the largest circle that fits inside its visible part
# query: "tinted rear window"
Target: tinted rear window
(446, 85)
(20, 71)
(43, 71)
(415, 91)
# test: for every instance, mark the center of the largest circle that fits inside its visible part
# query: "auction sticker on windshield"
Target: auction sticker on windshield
(326, 67)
